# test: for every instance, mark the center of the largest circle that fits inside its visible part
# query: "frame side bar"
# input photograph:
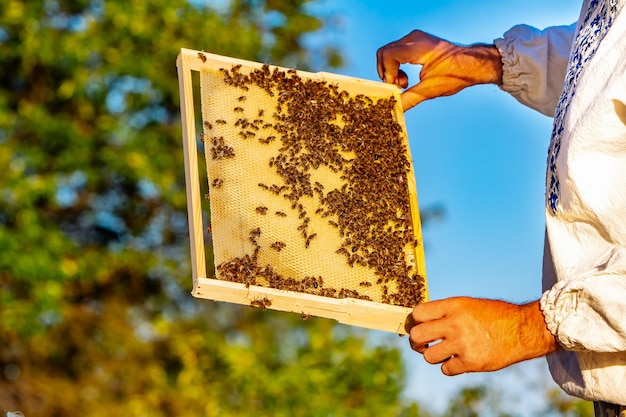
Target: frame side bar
(194, 208)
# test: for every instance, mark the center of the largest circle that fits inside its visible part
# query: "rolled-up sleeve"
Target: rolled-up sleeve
(587, 313)
(534, 64)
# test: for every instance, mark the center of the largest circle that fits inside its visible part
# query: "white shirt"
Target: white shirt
(578, 75)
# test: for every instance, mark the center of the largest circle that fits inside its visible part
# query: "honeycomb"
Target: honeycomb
(309, 185)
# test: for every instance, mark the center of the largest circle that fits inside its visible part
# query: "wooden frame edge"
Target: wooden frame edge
(361, 313)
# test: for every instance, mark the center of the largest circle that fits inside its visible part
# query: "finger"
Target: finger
(429, 88)
(438, 353)
(403, 79)
(453, 366)
(386, 64)
(411, 99)
(409, 323)
(419, 348)
(429, 332)
(431, 310)
(424, 90)
(380, 68)
(391, 56)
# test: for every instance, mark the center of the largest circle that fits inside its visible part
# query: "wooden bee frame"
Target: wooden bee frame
(341, 306)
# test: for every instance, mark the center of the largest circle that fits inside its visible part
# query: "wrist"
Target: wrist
(534, 337)
(490, 61)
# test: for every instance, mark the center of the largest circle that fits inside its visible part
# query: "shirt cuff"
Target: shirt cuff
(524, 60)
(587, 313)
(557, 304)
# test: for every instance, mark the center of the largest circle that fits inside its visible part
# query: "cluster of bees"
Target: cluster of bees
(246, 270)
(358, 139)
(219, 150)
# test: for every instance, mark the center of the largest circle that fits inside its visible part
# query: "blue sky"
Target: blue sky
(479, 154)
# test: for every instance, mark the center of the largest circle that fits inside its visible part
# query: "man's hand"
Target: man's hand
(447, 68)
(478, 335)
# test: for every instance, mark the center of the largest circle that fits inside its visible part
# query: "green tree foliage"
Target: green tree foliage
(95, 313)
(489, 400)
(559, 404)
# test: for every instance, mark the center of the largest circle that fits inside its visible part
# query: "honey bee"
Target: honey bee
(202, 57)
(265, 142)
(278, 246)
(247, 134)
(308, 239)
(261, 302)
(261, 210)
(217, 183)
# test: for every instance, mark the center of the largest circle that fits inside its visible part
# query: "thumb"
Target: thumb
(431, 87)
(411, 98)
(424, 89)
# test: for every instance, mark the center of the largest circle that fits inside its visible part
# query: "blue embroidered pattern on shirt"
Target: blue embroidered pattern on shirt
(595, 25)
